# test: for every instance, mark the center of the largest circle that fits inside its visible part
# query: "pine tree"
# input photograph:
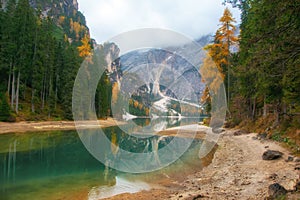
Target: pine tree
(267, 71)
(4, 108)
(103, 97)
(24, 33)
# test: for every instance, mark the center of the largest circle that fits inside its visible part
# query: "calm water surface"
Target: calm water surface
(56, 165)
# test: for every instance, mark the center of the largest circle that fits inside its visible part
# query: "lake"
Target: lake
(56, 165)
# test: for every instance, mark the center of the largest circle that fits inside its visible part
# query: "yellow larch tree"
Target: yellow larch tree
(85, 48)
(219, 51)
(115, 93)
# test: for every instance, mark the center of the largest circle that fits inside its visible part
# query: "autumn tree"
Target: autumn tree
(85, 48)
(220, 53)
(115, 93)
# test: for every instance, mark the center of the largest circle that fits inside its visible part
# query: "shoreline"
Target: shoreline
(32, 126)
(237, 171)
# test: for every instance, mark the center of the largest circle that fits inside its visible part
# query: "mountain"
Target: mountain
(70, 22)
(158, 78)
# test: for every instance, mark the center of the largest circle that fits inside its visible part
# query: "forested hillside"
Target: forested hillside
(263, 78)
(42, 45)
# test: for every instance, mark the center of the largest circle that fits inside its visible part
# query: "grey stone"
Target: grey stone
(271, 155)
(290, 159)
(240, 132)
(276, 190)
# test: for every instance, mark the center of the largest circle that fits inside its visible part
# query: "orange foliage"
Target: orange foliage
(141, 106)
(76, 28)
(136, 104)
(219, 51)
(115, 92)
(61, 19)
(85, 48)
(147, 112)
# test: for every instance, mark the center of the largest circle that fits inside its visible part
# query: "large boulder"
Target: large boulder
(276, 191)
(271, 155)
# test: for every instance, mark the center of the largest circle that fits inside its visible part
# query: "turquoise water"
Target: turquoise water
(56, 165)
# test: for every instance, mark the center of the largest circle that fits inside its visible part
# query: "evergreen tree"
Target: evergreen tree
(4, 108)
(267, 73)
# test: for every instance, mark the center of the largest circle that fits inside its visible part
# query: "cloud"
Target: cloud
(194, 18)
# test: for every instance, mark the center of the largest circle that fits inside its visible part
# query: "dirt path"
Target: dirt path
(237, 172)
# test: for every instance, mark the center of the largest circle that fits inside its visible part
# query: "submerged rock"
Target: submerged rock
(271, 155)
(276, 190)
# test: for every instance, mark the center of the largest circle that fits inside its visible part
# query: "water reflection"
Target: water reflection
(56, 163)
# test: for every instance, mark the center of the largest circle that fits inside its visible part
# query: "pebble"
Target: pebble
(273, 176)
(289, 159)
(246, 183)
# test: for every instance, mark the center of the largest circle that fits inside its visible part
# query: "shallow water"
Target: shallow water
(56, 165)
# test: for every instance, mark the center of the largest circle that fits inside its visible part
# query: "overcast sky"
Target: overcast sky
(193, 18)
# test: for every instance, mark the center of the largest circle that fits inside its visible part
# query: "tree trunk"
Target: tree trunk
(284, 108)
(249, 112)
(277, 113)
(18, 92)
(9, 79)
(12, 91)
(32, 100)
(43, 91)
(56, 82)
(265, 108)
(253, 108)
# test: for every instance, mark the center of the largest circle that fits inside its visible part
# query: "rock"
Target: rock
(273, 176)
(262, 136)
(199, 196)
(290, 159)
(218, 130)
(246, 183)
(297, 187)
(276, 190)
(271, 155)
(240, 132)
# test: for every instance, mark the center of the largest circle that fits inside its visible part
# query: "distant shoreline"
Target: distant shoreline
(27, 126)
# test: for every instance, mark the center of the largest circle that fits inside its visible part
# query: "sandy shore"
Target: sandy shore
(237, 172)
(21, 127)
